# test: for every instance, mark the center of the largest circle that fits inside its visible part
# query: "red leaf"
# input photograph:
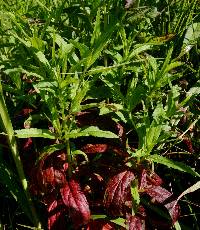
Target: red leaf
(101, 225)
(158, 193)
(95, 148)
(121, 133)
(135, 223)
(149, 179)
(26, 112)
(50, 178)
(117, 192)
(188, 142)
(102, 148)
(174, 210)
(56, 215)
(50, 173)
(76, 203)
(28, 143)
(154, 179)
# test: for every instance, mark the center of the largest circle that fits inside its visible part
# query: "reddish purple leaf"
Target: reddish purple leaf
(56, 215)
(95, 148)
(174, 210)
(50, 173)
(26, 112)
(76, 203)
(149, 179)
(101, 225)
(121, 133)
(188, 143)
(158, 193)
(28, 143)
(135, 223)
(154, 179)
(117, 192)
(102, 148)
(50, 178)
(119, 151)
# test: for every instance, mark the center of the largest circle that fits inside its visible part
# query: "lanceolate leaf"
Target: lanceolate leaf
(135, 196)
(117, 192)
(193, 188)
(91, 131)
(173, 207)
(48, 150)
(10, 181)
(100, 43)
(76, 203)
(34, 132)
(172, 164)
(56, 215)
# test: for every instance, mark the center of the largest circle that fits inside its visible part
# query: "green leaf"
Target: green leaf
(114, 86)
(11, 183)
(154, 130)
(192, 188)
(119, 221)
(139, 49)
(79, 152)
(194, 91)
(172, 100)
(91, 131)
(48, 150)
(173, 65)
(96, 217)
(97, 31)
(135, 196)
(172, 164)
(80, 94)
(135, 97)
(152, 136)
(47, 86)
(100, 43)
(34, 132)
(192, 34)
(84, 50)
(42, 59)
(109, 108)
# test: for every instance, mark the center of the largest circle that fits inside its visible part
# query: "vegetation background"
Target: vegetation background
(112, 86)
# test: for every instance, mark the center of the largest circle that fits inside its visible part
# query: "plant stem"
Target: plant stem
(69, 158)
(15, 154)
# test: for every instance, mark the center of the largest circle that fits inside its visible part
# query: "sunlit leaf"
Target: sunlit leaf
(76, 203)
(173, 164)
(117, 191)
(91, 131)
(34, 132)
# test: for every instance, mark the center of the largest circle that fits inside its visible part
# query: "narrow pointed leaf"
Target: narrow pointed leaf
(34, 132)
(91, 131)
(56, 215)
(174, 208)
(173, 164)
